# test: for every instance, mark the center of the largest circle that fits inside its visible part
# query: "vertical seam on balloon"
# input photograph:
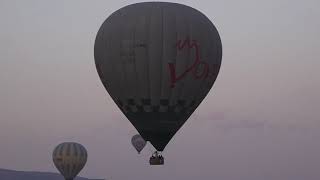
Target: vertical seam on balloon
(174, 58)
(185, 81)
(180, 86)
(198, 51)
(136, 94)
(115, 55)
(61, 150)
(73, 169)
(123, 65)
(75, 150)
(162, 51)
(165, 92)
(81, 151)
(191, 99)
(203, 34)
(187, 42)
(104, 59)
(147, 55)
(68, 153)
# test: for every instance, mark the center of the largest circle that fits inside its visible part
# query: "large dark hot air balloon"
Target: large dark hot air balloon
(158, 61)
(69, 158)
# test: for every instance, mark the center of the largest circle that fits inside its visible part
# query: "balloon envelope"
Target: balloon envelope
(138, 142)
(69, 158)
(158, 61)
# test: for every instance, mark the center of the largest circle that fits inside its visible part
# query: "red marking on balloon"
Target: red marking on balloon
(190, 44)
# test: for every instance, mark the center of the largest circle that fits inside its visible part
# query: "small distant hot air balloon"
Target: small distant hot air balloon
(69, 158)
(138, 142)
(158, 61)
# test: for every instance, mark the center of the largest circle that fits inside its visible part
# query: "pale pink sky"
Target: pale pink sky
(260, 121)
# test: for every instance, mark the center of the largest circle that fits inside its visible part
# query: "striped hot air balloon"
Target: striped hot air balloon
(69, 158)
(158, 61)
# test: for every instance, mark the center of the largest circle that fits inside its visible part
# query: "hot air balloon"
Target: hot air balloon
(158, 61)
(69, 158)
(138, 142)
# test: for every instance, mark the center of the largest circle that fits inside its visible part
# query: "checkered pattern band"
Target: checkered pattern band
(144, 105)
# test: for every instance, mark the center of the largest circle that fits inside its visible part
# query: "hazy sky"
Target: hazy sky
(260, 121)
